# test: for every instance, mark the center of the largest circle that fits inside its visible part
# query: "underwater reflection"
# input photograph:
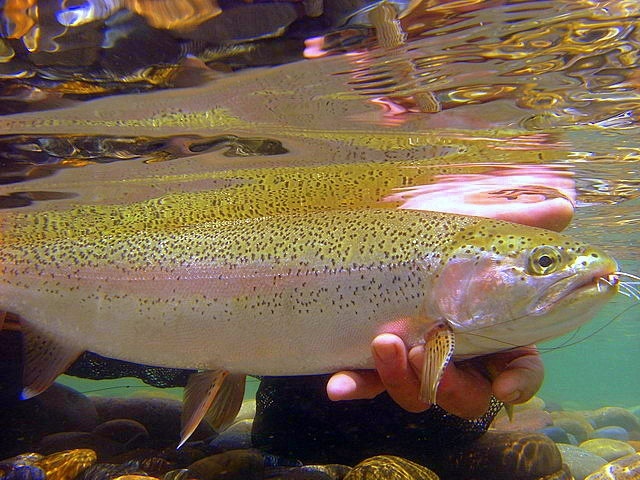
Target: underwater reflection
(536, 195)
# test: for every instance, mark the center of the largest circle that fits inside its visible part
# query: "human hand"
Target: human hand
(465, 389)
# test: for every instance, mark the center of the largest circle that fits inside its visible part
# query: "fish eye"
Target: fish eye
(544, 259)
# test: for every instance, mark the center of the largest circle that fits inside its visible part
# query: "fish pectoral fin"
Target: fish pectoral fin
(44, 360)
(439, 345)
(214, 394)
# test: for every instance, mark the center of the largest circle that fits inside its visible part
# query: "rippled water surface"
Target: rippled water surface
(491, 106)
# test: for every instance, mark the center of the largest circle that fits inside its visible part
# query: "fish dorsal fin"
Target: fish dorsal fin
(44, 360)
(439, 345)
(215, 390)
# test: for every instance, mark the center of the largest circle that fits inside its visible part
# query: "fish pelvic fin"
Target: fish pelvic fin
(508, 408)
(439, 345)
(215, 395)
(44, 360)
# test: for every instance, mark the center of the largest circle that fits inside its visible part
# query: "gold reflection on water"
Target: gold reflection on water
(563, 62)
(174, 14)
(21, 15)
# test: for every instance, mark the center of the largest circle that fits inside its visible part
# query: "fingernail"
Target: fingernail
(386, 353)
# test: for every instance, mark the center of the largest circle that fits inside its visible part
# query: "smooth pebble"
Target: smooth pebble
(580, 461)
(607, 448)
(613, 432)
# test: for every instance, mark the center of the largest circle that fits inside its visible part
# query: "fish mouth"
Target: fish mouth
(602, 283)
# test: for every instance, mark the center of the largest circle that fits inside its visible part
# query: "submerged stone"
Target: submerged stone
(308, 472)
(556, 434)
(502, 456)
(616, 416)
(66, 409)
(528, 420)
(624, 468)
(580, 461)
(237, 436)
(108, 471)
(103, 447)
(135, 477)
(68, 464)
(389, 467)
(574, 423)
(635, 444)
(24, 472)
(607, 448)
(231, 465)
(160, 416)
(562, 474)
(178, 474)
(123, 430)
(29, 458)
(615, 433)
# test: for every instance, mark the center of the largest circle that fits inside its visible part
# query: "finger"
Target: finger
(397, 375)
(464, 391)
(519, 377)
(354, 385)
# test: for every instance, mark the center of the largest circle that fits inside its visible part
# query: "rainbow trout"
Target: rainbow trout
(291, 294)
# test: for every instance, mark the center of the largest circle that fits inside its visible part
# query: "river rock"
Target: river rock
(56, 442)
(615, 433)
(109, 471)
(231, 465)
(580, 462)
(624, 468)
(67, 464)
(636, 411)
(29, 458)
(551, 406)
(389, 467)
(160, 416)
(22, 472)
(501, 456)
(563, 474)
(607, 448)
(573, 423)
(237, 436)
(556, 434)
(135, 477)
(67, 409)
(123, 430)
(615, 416)
(178, 474)
(58, 409)
(309, 472)
(635, 444)
(528, 420)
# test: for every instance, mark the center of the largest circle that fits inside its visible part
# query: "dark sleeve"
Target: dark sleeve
(296, 419)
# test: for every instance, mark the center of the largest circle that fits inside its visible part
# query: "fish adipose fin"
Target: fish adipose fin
(216, 394)
(44, 360)
(439, 345)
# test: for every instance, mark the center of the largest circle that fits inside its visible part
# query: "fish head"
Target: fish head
(506, 285)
